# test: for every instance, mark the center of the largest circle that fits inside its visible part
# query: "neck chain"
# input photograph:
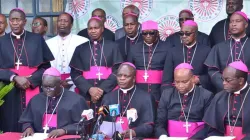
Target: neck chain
(47, 106)
(92, 54)
(150, 58)
(186, 117)
(130, 39)
(228, 116)
(128, 101)
(18, 57)
(192, 56)
(231, 49)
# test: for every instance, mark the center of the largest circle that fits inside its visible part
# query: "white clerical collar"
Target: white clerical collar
(133, 38)
(191, 45)
(65, 37)
(17, 36)
(238, 92)
(148, 44)
(238, 39)
(3, 34)
(126, 90)
(189, 91)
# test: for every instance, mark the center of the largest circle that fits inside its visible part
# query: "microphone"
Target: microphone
(87, 115)
(114, 110)
(102, 112)
(132, 115)
(117, 136)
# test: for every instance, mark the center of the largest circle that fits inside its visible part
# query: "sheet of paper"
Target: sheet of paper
(220, 138)
(176, 138)
(106, 128)
(36, 136)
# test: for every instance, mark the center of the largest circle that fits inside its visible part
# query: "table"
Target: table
(17, 136)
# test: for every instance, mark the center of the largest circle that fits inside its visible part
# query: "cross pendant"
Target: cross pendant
(187, 125)
(121, 121)
(99, 74)
(145, 76)
(45, 128)
(18, 63)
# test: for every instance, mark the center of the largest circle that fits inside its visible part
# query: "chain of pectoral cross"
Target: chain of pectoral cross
(18, 62)
(146, 76)
(98, 74)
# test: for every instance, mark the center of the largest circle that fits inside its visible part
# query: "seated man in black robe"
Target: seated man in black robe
(132, 37)
(174, 39)
(56, 110)
(228, 113)
(107, 34)
(181, 109)
(192, 52)
(130, 96)
(235, 49)
(220, 31)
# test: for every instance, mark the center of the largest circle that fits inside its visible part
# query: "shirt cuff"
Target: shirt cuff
(12, 78)
(163, 137)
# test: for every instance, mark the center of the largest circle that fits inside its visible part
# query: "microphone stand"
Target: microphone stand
(83, 134)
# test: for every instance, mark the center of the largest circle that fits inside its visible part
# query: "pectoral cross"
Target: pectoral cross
(121, 121)
(45, 128)
(99, 74)
(187, 125)
(18, 63)
(145, 76)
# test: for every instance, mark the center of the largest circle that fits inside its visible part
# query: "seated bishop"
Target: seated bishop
(228, 114)
(56, 110)
(182, 108)
(129, 96)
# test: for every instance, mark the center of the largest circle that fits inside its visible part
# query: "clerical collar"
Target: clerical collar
(133, 38)
(238, 39)
(95, 42)
(238, 92)
(125, 91)
(17, 36)
(65, 37)
(189, 91)
(191, 45)
(3, 34)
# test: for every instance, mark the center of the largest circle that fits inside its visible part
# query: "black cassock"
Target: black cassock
(36, 56)
(221, 55)
(216, 116)
(194, 56)
(169, 108)
(68, 112)
(155, 68)
(82, 63)
(220, 32)
(143, 102)
(107, 34)
(126, 43)
(174, 40)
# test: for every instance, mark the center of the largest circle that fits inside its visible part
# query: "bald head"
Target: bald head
(184, 80)
(98, 12)
(233, 6)
(131, 9)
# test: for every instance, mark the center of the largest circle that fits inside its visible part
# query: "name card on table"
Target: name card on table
(220, 138)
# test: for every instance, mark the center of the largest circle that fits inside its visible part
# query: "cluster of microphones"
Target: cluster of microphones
(103, 111)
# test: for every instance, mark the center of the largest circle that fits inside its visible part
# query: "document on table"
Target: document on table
(36, 136)
(220, 138)
(106, 128)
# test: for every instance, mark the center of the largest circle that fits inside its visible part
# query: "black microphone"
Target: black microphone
(102, 112)
(117, 136)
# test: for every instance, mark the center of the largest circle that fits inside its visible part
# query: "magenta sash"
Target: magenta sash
(52, 123)
(94, 70)
(178, 129)
(237, 132)
(124, 123)
(27, 71)
(65, 76)
(155, 77)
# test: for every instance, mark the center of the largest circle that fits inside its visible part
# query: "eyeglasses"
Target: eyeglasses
(184, 19)
(228, 80)
(36, 24)
(186, 34)
(48, 88)
(149, 33)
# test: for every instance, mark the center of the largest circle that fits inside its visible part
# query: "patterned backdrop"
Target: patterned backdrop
(165, 12)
